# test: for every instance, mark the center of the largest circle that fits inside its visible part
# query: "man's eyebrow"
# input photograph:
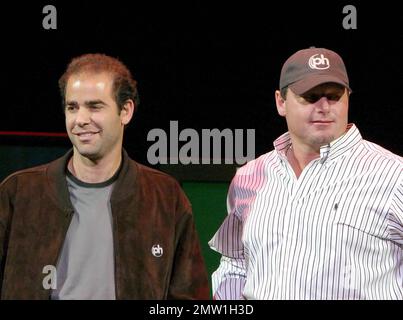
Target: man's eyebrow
(93, 102)
(71, 103)
(87, 103)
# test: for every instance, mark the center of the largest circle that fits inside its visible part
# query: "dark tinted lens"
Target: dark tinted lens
(334, 96)
(312, 97)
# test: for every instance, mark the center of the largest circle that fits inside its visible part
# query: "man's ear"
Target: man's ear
(127, 111)
(280, 103)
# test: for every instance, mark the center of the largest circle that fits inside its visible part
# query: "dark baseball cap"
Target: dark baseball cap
(311, 67)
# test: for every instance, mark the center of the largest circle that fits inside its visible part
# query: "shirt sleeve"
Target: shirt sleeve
(229, 279)
(396, 215)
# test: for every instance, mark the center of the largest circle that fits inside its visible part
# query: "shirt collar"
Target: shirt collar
(330, 151)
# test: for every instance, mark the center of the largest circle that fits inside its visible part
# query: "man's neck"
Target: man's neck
(93, 171)
(299, 157)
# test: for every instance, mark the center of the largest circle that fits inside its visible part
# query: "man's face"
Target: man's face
(317, 117)
(93, 121)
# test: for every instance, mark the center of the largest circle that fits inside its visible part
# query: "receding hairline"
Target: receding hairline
(89, 74)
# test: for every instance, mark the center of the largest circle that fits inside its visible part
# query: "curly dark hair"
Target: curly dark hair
(124, 86)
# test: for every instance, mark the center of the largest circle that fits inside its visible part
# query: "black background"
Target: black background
(205, 64)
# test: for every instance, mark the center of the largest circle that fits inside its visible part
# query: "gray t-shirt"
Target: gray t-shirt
(85, 269)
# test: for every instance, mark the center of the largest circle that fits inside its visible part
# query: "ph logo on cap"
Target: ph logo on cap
(319, 63)
(157, 251)
(308, 68)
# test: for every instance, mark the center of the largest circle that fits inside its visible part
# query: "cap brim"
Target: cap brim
(302, 86)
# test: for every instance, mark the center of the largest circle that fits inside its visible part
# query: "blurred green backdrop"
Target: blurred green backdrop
(209, 208)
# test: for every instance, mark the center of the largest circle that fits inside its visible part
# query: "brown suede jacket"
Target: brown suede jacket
(148, 208)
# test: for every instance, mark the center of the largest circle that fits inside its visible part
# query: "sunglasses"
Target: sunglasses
(331, 96)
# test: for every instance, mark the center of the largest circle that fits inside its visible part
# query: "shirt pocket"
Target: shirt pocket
(362, 219)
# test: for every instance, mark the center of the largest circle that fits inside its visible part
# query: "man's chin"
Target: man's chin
(88, 153)
(322, 140)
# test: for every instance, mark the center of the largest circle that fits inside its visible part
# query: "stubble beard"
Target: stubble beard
(321, 141)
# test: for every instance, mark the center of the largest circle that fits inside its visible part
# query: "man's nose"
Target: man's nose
(323, 104)
(83, 117)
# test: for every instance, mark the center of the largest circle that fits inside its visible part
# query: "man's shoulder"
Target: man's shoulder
(28, 173)
(258, 165)
(155, 183)
(382, 153)
(33, 175)
(153, 175)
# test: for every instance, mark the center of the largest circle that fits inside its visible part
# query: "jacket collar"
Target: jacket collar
(125, 184)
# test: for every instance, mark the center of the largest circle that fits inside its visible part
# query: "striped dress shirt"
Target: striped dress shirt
(336, 232)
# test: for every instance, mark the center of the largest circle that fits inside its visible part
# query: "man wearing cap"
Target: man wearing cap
(320, 216)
